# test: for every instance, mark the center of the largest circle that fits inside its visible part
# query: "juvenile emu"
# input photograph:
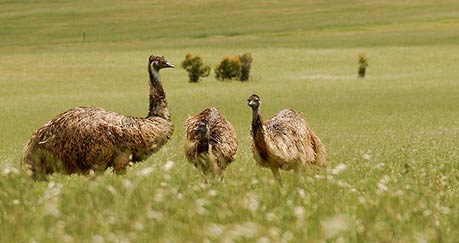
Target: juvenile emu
(91, 138)
(285, 141)
(211, 143)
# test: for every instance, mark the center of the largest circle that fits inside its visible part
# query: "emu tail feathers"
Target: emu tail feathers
(319, 150)
(31, 160)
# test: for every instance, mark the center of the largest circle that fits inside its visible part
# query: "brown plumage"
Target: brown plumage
(285, 141)
(91, 138)
(211, 143)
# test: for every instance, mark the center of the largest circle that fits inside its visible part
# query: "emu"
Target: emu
(285, 141)
(91, 138)
(211, 143)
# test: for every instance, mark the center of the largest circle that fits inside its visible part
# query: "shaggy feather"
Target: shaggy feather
(285, 141)
(211, 142)
(91, 138)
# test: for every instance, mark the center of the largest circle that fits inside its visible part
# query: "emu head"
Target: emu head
(158, 62)
(253, 101)
(201, 131)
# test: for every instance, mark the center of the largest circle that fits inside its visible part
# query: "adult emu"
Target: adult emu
(91, 138)
(285, 141)
(211, 143)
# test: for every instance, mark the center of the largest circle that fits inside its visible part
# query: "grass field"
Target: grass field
(392, 138)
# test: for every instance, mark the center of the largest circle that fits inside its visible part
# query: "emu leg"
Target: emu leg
(298, 169)
(221, 176)
(120, 162)
(203, 178)
(276, 174)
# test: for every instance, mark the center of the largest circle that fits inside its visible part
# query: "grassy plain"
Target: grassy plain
(392, 137)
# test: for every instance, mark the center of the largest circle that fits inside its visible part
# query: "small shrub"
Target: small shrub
(363, 64)
(194, 66)
(246, 63)
(229, 68)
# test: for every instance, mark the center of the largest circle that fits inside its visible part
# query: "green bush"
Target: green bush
(363, 64)
(246, 63)
(194, 66)
(229, 68)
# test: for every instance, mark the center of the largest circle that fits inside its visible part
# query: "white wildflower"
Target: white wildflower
(98, 239)
(200, 204)
(366, 156)
(215, 230)
(382, 187)
(287, 236)
(112, 190)
(338, 169)
(382, 184)
(51, 199)
(138, 226)
(252, 202)
(145, 172)
(423, 238)
(273, 232)
(169, 164)
(247, 229)
(299, 212)
(380, 165)
(10, 170)
(128, 184)
(212, 193)
(301, 192)
(159, 196)
(152, 214)
(263, 239)
(335, 226)
(444, 210)
(67, 238)
(270, 216)
(427, 213)
(111, 219)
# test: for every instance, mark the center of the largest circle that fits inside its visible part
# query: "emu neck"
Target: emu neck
(203, 146)
(258, 134)
(257, 123)
(158, 101)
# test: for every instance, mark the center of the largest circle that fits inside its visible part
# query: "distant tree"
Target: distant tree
(246, 63)
(229, 68)
(363, 64)
(195, 67)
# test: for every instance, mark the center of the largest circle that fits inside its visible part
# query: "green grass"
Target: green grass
(392, 137)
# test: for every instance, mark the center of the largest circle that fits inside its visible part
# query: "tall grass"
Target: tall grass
(391, 138)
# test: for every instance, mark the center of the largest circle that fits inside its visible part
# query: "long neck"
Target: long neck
(158, 101)
(256, 118)
(258, 133)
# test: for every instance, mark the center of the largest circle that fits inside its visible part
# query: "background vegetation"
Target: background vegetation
(392, 137)
(229, 68)
(195, 67)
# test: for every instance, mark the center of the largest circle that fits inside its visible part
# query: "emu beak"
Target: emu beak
(200, 128)
(251, 102)
(168, 65)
